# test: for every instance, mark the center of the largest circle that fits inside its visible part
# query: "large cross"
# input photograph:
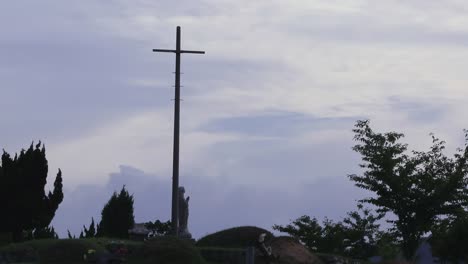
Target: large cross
(175, 164)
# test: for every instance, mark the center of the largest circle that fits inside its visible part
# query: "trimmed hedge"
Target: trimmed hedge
(236, 237)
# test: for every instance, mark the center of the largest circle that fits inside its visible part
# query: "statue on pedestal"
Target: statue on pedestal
(183, 214)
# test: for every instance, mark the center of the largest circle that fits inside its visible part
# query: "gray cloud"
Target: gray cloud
(278, 124)
(368, 31)
(419, 111)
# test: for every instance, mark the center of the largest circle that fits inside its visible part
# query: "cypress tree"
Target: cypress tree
(90, 231)
(24, 202)
(117, 215)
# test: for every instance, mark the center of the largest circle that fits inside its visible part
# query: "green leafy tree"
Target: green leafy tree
(418, 189)
(117, 215)
(24, 203)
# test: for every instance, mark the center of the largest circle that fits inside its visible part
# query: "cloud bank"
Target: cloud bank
(215, 204)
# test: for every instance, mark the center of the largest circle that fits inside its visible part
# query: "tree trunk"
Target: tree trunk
(409, 246)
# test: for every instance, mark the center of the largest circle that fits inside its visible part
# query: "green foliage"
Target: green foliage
(355, 237)
(450, 242)
(24, 202)
(418, 189)
(54, 251)
(307, 230)
(387, 247)
(236, 237)
(117, 216)
(333, 237)
(362, 232)
(327, 237)
(51, 251)
(159, 228)
(66, 251)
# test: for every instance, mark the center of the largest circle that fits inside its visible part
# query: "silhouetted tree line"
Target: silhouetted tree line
(117, 218)
(27, 209)
(426, 191)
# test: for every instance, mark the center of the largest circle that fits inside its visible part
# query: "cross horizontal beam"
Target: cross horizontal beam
(181, 51)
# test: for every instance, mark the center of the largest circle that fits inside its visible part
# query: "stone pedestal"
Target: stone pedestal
(187, 237)
(185, 234)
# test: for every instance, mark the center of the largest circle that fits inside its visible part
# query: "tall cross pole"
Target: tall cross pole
(175, 161)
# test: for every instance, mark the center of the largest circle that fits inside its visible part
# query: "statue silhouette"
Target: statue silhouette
(183, 213)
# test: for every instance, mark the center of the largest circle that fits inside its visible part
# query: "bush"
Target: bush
(66, 250)
(17, 253)
(236, 237)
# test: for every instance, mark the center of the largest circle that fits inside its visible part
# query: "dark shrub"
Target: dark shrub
(237, 237)
(17, 253)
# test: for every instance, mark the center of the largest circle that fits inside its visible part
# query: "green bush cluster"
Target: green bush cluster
(162, 250)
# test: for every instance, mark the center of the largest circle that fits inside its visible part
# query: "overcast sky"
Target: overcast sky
(267, 113)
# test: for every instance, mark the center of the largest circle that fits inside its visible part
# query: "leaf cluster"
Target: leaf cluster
(450, 241)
